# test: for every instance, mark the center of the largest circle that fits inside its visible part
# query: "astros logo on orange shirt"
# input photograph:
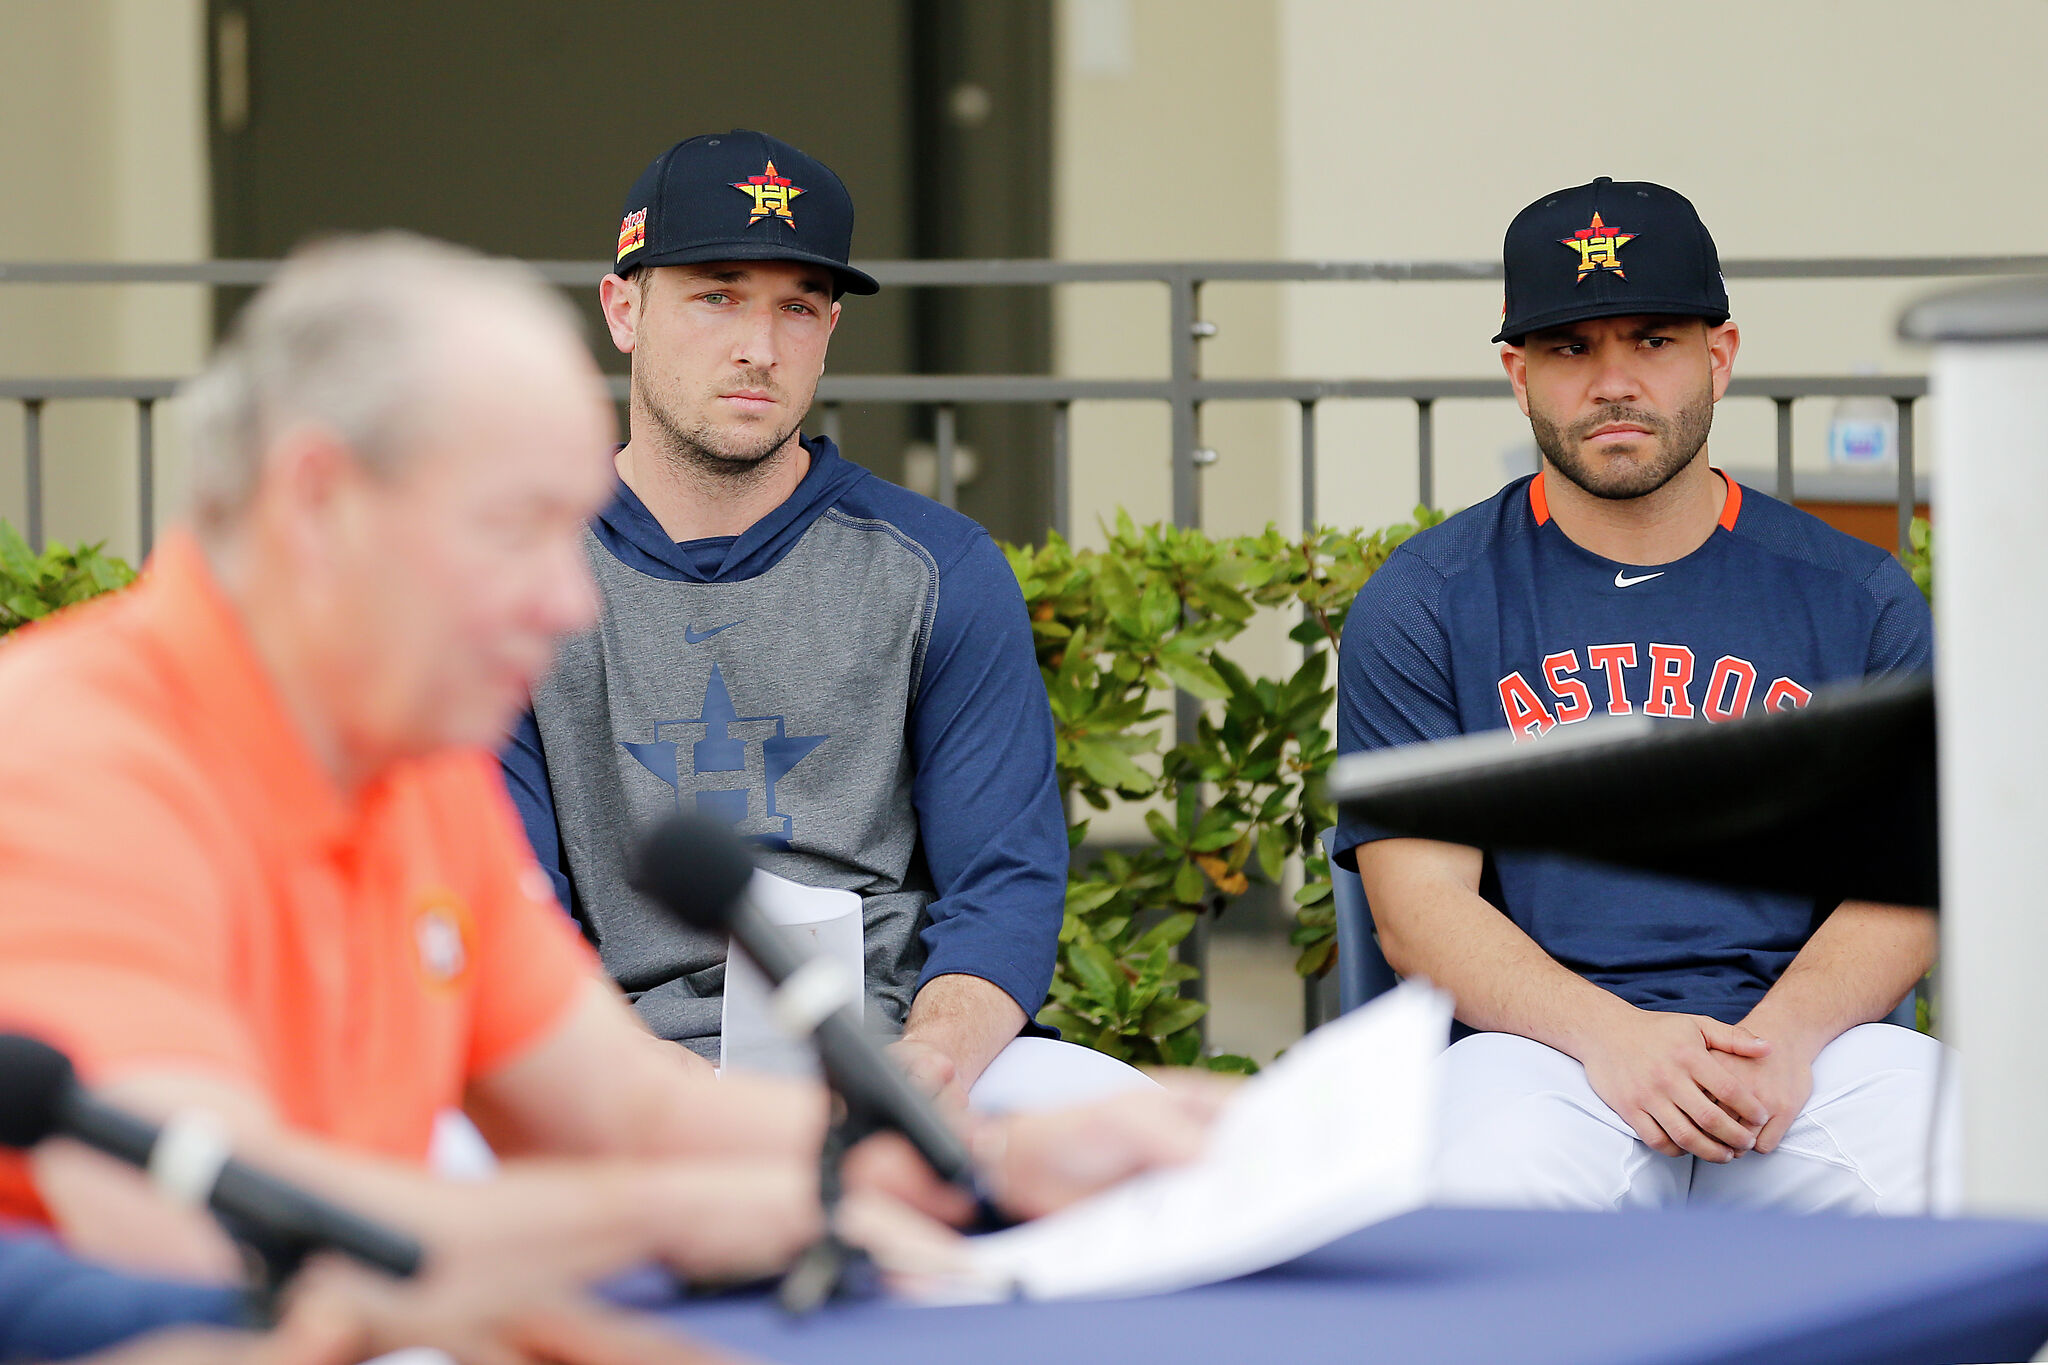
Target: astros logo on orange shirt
(1599, 247)
(771, 193)
(442, 933)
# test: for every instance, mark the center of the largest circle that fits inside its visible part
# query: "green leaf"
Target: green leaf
(1171, 1016)
(1312, 893)
(1188, 884)
(1096, 969)
(1168, 931)
(1193, 675)
(1111, 766)
(1085, 896)
(15, 556)
(1181, 1049)
(1070, 1024)
(1231, 1064)
(1272, 851)
(1220, 834)
(1317, 958)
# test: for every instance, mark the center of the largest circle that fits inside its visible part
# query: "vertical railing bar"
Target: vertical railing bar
(945, 434)
(32, 468)
(828, 426)
(1784, 491)
(1425, 451)
(145, 473)
(1907, 493)
(1308, 466)
(1062, 492)
(1183, 309)
(1311, 987)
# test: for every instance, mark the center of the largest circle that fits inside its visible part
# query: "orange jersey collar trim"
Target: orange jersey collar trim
(1731, 501)
(233, 700)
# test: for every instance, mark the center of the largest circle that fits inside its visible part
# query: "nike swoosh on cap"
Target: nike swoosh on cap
(1622, 582)
(697, 637)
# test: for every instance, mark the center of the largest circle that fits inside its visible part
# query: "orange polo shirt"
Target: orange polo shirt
(183, 886)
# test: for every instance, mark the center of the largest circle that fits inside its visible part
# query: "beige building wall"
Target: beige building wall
(104, 159)
(1166, 124)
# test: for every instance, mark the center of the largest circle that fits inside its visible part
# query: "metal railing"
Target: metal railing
(1183, 389)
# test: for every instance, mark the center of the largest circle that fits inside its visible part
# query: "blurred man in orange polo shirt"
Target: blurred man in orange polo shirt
(254, 858)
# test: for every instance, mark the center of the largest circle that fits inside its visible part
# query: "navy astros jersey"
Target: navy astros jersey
(1497, 619)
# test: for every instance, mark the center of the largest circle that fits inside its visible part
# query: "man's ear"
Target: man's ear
(307, 492)
(619, 299)
(1722, 344)
(1516, 363)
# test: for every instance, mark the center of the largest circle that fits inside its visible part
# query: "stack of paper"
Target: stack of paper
(1335, 1135)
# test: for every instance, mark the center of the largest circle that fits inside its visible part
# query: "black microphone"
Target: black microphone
(40, 1098)
(699, 871)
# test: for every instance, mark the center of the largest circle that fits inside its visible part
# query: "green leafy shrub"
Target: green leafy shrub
(1919, 558)
(34, 585)
(1116, 630)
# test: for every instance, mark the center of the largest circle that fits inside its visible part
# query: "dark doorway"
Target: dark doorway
(515, 126)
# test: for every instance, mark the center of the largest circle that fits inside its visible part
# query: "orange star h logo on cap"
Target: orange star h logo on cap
(1599, 247)
(771, 193)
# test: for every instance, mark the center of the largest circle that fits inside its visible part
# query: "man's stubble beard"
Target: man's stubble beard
(1679, 438)
(705, 450)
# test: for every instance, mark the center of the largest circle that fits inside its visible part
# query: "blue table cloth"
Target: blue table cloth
(1679, 1288)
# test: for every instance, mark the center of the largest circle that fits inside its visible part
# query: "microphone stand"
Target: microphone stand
(271, 1259)
(831, 1267)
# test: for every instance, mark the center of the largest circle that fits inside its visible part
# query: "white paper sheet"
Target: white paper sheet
(1335, 1135)
(828, 923)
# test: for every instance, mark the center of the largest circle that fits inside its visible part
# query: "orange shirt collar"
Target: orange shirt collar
(232, 701)
(1731, 501)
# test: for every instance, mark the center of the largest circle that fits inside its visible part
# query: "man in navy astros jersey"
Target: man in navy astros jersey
(1642, 1040)
(839, 667)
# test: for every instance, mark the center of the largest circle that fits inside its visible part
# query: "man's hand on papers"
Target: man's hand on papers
(1040, 1162)
(1674, 1078)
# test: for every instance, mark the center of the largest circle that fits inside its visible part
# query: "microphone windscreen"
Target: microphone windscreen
(695, 867)
(34, 1079)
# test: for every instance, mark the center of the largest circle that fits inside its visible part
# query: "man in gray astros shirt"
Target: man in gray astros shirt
(841, 668)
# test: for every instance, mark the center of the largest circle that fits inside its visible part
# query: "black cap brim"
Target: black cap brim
(1611, 308)
(851, 281)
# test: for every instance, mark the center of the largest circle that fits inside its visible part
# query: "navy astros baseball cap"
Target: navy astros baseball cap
(1608, 249)
(739, 196)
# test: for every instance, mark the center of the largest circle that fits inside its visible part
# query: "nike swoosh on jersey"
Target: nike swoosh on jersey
(1619, 580)
(696, 637)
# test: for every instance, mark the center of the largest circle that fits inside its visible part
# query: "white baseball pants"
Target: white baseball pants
(1521, 1128)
